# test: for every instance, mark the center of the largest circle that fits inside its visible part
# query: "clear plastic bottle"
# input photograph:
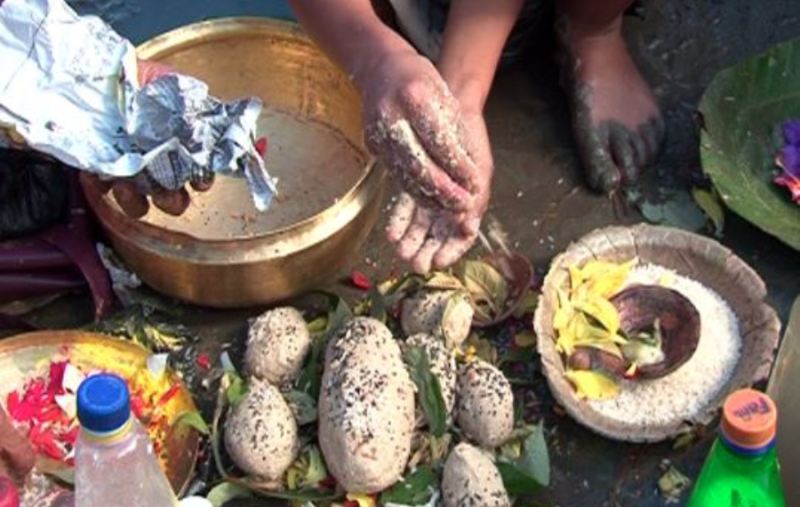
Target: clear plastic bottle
(742, 469)
(114, 460)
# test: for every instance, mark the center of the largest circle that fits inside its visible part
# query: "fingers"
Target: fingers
(422, 262)
(452, 250)
(417, 232)
(437, 124)
(430, 239)
(127, 195)
(400, 218)
(398, 146)
(202, 184)
(171, 202)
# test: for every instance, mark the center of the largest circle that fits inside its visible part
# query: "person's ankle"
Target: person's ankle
(585, 30)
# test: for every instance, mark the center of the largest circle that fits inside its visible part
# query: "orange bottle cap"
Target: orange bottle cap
(749, 419)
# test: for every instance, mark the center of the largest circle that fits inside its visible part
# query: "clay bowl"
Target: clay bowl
(222, 252)
(692, 255)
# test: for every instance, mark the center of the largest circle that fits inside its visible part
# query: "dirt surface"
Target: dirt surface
(539, 197)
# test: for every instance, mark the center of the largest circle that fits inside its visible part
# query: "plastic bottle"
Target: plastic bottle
(9, 496)
(114, 460)
(742, 469)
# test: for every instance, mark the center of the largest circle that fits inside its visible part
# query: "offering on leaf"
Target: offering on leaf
(41, 372)
(376, 417)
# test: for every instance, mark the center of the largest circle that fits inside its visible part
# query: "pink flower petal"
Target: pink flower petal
(790, 182)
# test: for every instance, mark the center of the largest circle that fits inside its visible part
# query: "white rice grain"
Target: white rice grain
(688, 390)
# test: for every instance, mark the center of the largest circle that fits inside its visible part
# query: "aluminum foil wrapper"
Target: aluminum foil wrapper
(68, 88)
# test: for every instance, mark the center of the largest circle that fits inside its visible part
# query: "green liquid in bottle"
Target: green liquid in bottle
(731, 478)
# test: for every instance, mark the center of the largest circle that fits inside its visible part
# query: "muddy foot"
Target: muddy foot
(617, 124)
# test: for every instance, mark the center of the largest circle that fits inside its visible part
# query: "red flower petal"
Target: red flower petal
(137, 405)
(20, 410)
(261, 146)
(328, 482)
(169, 395)
(793, 184)
(360, 280)
(72, 435)
(350, 503)
(56, 377)
(49, 414)
(203, 361)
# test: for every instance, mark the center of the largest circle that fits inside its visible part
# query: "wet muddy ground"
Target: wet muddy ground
(538, 192)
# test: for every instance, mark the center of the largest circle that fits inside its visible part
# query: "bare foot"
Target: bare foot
(616, 120)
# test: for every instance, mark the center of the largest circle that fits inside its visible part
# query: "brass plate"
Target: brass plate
(24, 356)
(223, 253)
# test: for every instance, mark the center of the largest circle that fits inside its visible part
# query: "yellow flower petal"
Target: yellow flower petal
(604, 279)
(602, 311)
(592, 385)
(575, 277)
(363, 499)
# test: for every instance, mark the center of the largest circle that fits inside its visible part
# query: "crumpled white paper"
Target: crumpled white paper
(68, 86)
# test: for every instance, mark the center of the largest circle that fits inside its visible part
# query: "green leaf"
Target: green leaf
(453, 302)
(525, 339)
(237, 389)
(303, 406)
(535, 459)
(429, 390)
(673, 483)
(516, 481)
(377, 305)
(675, 208)
(525, 355)
(317, 325)
(528, 304)
(742, 111)
(310, 377)
(530, 472)
(444, 281)
(225, 492)
(307, 470)
(415, 488)
(485, 284)
(710, 204)
(303, 495)
(483, 348)
(194, 420)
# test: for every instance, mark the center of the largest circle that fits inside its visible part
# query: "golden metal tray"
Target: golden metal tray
(25, 356)
(222, 252)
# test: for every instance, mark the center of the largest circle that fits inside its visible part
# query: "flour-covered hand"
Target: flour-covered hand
(415, 126)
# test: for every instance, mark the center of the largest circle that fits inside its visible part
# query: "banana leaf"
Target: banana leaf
(742, 113)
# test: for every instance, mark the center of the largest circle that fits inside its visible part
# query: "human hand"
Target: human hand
(130, 194)
(17, 457)
(415, 126)
(435, 237)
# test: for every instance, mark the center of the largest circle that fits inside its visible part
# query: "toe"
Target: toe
(623, 153)
(601, 171)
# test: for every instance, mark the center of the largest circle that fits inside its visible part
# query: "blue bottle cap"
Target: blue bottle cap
(103, 403)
